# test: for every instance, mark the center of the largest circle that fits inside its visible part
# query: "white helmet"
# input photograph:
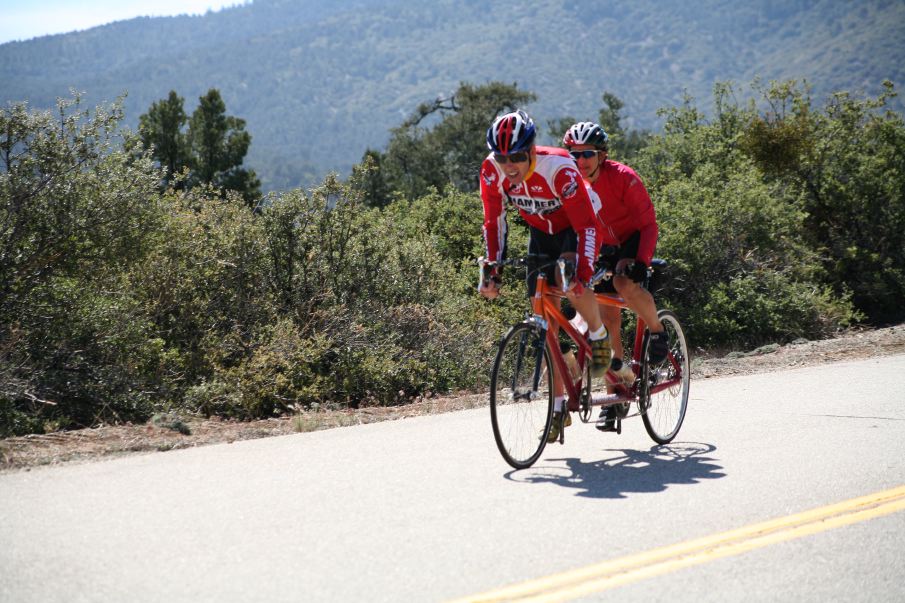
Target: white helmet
(586, 132)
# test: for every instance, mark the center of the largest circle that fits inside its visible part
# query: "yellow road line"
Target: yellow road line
(616, 572)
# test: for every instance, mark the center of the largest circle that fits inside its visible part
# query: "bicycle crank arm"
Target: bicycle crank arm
(608, 399)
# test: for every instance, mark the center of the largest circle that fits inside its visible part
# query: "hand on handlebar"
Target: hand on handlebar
(489, 280)
(489, 288)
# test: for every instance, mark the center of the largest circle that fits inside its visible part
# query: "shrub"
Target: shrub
(76, 204)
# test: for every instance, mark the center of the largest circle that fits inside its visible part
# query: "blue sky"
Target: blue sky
(24, 19)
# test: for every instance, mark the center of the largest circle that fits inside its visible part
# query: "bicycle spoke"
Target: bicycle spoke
(665, 385)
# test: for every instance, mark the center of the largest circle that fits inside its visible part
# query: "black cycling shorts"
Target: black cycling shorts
(553, 245)
(610, 256)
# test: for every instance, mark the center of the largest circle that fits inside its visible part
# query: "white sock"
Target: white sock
(557, 403)
(598, 334)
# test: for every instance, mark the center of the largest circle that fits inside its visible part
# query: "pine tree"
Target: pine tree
(213, 148)
(218, 144)
(161, 129)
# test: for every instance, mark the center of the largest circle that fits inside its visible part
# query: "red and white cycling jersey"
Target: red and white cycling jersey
(552, 198)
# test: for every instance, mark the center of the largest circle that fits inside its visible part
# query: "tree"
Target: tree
(624, 144)
(64, 204)
(780, 218)
(161, 130)
(448, 154)
(213, 148)
(368, 179)
(847, 166)
(218, 145)
(557, 127)
(77, 206)
(461, 133)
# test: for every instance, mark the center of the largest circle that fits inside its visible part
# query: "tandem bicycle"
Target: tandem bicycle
(522, 383)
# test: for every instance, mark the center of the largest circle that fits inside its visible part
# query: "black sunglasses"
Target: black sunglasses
(514, 158)
(580, 154)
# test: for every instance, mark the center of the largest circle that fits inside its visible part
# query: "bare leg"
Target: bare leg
(640, 301)
(612, 319)
(586, 305)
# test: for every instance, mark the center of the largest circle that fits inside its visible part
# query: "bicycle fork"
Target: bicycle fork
(538, 359)
(539, 344)
(537, 354)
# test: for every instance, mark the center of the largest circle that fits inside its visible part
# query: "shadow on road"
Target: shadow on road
(630, 471)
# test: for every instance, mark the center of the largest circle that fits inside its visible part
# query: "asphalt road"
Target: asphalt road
(425, 509)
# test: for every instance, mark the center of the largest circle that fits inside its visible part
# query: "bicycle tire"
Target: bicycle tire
(521, 417)
(663, 411)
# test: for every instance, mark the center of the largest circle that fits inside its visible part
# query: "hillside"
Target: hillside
(320, 81)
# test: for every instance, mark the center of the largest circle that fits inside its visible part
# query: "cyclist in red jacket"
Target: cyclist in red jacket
(630, 224)
(545, 186)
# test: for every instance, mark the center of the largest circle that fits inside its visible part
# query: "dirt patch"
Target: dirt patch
(170, 433)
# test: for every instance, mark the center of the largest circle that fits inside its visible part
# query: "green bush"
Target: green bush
(76, 205)
(763, 307)
(746, 266)
(283, 372)
(845, 164)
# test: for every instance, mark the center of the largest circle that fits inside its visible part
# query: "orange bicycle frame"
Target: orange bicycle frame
(546, 305)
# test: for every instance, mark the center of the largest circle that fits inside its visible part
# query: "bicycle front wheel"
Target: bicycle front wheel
(665, 385)
(521, 395)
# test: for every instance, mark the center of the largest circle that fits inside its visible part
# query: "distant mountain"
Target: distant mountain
(319, 81)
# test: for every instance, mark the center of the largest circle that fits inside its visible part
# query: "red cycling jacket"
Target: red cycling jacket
(625, 208)
(552, 198)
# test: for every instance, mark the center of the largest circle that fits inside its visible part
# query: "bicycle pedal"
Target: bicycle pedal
(611, 425)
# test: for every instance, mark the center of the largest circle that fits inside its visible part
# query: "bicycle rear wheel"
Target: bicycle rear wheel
(665, 386)
(521, 395)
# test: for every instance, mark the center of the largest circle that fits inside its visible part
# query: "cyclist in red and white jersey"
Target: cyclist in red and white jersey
(630, 224)
(547, 189)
